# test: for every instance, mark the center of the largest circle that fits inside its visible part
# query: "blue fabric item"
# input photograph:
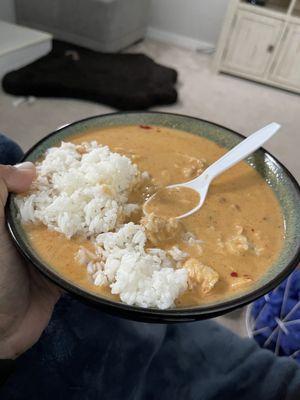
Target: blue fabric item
(85, 354)
(10, 152)
(277, 318)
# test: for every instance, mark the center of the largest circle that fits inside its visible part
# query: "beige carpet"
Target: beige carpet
(238, 104)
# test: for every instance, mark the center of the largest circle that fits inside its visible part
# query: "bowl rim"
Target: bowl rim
(135, 312)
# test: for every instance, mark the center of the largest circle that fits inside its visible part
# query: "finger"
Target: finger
(18, 178)
(15, 179)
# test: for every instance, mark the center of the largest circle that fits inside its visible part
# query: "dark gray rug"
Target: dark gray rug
(122, 81)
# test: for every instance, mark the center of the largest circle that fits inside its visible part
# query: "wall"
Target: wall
(7, 10)
(189, 21)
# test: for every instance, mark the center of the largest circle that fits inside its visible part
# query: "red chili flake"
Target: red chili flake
(145, 127)
(234, 274)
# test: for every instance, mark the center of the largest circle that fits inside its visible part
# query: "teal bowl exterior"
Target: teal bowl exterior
(274, 173)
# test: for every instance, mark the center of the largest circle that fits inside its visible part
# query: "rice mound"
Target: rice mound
(79, 190)
(147, 278)
(83, 190)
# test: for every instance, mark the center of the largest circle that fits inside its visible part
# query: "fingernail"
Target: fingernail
(25, 165)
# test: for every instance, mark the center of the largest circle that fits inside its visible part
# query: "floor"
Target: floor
(238, 104)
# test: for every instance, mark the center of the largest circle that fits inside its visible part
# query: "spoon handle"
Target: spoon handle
(241, 151)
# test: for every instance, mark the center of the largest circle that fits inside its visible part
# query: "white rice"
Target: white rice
(78, 193)
(147, 278)
(83, 190)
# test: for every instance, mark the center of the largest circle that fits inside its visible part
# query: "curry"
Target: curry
(238, 232)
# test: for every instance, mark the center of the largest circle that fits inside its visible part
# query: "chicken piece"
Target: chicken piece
(159, 229)
(238, 243)
(200, 275)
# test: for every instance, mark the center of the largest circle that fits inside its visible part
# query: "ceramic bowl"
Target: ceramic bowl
(275, 174)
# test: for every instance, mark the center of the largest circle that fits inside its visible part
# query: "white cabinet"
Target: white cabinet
(286, 69)
(262, 43)
(251, 43)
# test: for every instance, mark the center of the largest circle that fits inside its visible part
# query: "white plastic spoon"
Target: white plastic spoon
(238, 153)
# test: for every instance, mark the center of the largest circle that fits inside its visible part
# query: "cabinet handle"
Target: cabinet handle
(270, 48)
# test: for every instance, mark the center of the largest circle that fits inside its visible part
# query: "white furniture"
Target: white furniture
(262, 43)
(20, 46)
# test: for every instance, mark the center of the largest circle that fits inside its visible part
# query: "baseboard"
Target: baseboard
(179, 40)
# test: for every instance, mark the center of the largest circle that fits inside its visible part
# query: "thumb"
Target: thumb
(15, 179)
(18, 178)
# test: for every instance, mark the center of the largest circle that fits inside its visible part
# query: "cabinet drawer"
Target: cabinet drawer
(251, 44)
